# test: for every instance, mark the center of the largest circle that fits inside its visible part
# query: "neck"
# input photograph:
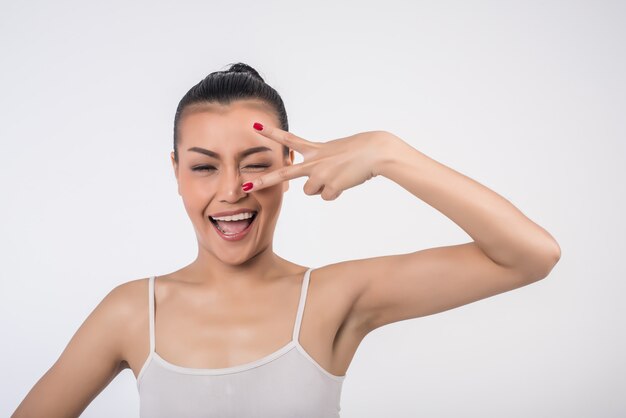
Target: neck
(229, 271)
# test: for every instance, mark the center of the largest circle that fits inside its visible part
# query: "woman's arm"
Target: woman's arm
(509, 250)
(91, 360)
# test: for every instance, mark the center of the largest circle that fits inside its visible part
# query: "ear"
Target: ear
(175, 166)
(289, 162)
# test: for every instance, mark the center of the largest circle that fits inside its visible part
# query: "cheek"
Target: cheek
(270, 197)
(195, 193)
(193, 187)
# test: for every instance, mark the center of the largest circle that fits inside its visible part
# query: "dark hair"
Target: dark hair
(239, 82)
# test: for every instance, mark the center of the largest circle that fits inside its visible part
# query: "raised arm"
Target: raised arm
(91, 360)
(508, 249)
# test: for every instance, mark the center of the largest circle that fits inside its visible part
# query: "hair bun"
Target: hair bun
(240, 67)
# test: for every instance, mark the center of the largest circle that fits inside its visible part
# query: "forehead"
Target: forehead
(226, 126)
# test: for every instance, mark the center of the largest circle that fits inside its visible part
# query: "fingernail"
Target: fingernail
(258, 126)
(246, 186)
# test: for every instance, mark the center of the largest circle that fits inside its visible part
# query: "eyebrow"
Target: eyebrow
(241, 154)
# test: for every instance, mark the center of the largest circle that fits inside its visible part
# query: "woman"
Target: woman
(229, 335)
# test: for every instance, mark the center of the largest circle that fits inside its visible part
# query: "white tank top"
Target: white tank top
(287, 383)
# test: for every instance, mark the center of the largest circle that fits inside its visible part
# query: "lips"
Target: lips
(220, 224)
(235, 236)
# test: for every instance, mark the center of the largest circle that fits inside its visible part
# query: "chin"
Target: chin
(230, 253)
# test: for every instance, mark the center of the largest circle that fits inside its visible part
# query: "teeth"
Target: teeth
(237, 217)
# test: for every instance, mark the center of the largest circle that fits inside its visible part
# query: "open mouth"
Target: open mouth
(233, 228)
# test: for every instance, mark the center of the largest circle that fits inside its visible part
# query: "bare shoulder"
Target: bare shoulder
(124, 308)
(129, 302)
(93, 357)
(339, 288)
(338, 275)
(129, 297)
(339, 329)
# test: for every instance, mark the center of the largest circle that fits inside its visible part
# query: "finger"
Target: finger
(284, 137)
(312, 187)
(329, 193)
(287, 172)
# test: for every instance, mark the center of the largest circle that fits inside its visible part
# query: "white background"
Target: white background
(526, 97)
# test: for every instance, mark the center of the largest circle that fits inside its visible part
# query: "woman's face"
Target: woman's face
(210, 184)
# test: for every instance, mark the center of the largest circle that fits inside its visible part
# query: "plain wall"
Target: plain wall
(526, 97)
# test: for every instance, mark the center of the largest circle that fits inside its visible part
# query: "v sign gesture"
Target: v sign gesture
(332, 166)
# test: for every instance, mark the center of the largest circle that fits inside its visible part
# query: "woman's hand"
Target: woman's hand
(332, 166)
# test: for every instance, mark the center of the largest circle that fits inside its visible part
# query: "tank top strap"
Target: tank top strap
(303, 292)
(151, 311)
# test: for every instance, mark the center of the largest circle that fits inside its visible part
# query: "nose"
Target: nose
(229, 186)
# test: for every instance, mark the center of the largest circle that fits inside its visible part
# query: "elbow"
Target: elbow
(552, 261)
(541, 267)
(553, 256)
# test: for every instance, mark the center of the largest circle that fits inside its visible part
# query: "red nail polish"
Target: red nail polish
(246, 186)
(258, 126)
